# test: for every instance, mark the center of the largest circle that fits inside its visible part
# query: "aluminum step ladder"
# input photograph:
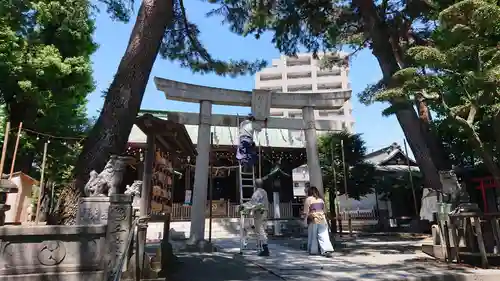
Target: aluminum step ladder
(247, 188)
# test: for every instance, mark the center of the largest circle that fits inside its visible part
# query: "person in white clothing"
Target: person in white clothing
(318, 237)
(259, 206)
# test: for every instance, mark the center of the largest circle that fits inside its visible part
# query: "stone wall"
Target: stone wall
(52, 253)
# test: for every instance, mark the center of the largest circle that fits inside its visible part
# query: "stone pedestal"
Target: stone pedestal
(119, 227)
(50, 253)
(6, 187)
(93, 210)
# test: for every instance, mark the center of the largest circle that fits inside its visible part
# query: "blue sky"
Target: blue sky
(378, 131)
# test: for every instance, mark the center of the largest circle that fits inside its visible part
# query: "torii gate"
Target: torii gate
(260, 101)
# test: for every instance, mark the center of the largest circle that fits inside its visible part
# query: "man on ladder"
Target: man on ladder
(246, 151)
(258, 204)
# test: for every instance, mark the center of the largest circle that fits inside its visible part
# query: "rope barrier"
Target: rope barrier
(49, 136)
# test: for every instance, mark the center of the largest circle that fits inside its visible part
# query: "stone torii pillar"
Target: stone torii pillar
(197, 231)
(315, 174)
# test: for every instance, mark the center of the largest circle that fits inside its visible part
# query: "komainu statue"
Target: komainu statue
(107, 182)
(135, 190)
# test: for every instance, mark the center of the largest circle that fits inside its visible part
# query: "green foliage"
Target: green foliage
(455, 143)
(35, 194)
(458, 76)
(120, 10)
(361, 175)
(323, 26)
(45, 49)
(461, 69)
(316, 25)
(181, 42)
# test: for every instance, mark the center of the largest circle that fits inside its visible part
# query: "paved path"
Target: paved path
(218, 267)
(362, 259)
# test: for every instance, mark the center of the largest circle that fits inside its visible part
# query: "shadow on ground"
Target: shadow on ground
(368, 249)
(217, 267)
(365, 245)
(359, 260)
(391, 236)
(347, 269)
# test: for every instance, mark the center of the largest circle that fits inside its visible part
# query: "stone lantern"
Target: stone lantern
(6, 187)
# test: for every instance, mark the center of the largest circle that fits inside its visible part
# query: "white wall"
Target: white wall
(367, 202)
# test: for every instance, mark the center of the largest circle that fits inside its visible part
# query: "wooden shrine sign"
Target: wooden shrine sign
(261, 104)
(219, 208)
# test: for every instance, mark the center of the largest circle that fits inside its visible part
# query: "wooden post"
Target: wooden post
(349, 221)
(496, 231)
(446, 235)
(238, 195)
(260, 159)
(52, 190)
(410, 175)
(166, 248)
(454, 237)
(145, 202)
(15, 150)
(480, 242)
(42, 178)
(4, 148)
(333, 194)
(211, 187)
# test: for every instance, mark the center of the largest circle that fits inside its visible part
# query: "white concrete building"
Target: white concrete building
(303, 74)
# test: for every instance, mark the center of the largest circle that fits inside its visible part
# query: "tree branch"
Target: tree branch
(472, 114)
(359, 48)
(203, 53)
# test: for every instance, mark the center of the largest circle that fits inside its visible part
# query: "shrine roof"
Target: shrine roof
(228, 136)
(23, 176)
(391, 155)
(171, 135)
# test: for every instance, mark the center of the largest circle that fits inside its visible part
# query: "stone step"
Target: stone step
(221, 228)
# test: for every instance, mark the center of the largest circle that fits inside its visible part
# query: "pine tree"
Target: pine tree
(459, 74)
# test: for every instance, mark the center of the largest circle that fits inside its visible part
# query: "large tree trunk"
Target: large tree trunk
(416, 139)
(123, 99)
(407, 117)
(438, 155)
